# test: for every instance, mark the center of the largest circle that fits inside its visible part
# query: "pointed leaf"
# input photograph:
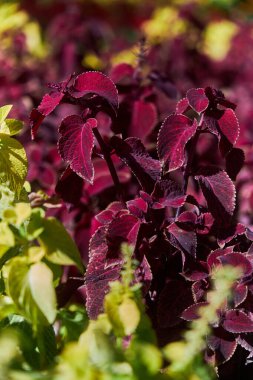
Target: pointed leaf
(229, 126)
(173, 136)
(133, 153)
(192, 312)
(168, 193)
(144, 119)
(94, 82)
(40, 279)
(4, 112)
(219, 191)
(237, 321)
(76, 144)
(223, 344)
(11, 127)
(59, 246)
(183, 239)
(197, 99)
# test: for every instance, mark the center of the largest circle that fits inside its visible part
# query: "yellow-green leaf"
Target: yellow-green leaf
(7, 239)
(4, 111)
(59, 246)
(13, 163)
(11, 126)
(129, 315)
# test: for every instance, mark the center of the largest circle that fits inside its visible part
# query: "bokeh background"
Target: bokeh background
(176, 44)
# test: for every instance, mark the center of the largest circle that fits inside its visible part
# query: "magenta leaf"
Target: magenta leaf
(182, 106)
(168, 193)
(197, 99)
(183, 239)
(94, 82)
(122, 74)
(99, 273)
(199, 289)
(47, 105)
(229, 126)
(223, 344)
(219, 191)
(240, 292)
(144, 119)
(76, 144)
(237, 322)
(192, 312)
(236, 259)
(133, 153)
(213, 257)
(173, 136)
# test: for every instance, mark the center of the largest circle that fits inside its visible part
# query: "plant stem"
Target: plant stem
(107, 156)
(190, 156)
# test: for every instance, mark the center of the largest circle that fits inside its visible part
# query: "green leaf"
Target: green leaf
(59, 246)
(4, 111)
(35, 225)
(11, 127)
(42, 290)
(7, 239)
(129, 315)
(32, 291)
(13, 163)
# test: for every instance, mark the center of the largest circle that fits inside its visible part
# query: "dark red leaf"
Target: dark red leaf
(173, 136)
(223, 344)
(240, 292)
(199, 289)
(192, 312)
(229, 126)
(122, 74)
(144, 119)
(47, 105)
(197, 99)
(99, 273)
(133, 153)
(182, 106)
(94, 82)
(219, 191)
(76, 144)
(70, 180)
(229, 233)
(168, 193)
(236, 259)
(205, 223)
(183, 239)
(237, 322)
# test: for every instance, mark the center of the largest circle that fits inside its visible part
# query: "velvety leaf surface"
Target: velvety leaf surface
(168, 193)
(237, 321)
(94, 82)
(76, 144)
(133, 153)
(185, 239)
(144, 118)
(174, 134)
(197, 99)
(219, 191)
(182, 105)
(97, 277)
(229, 126)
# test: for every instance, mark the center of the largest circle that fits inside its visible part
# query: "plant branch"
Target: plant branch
(107, 156)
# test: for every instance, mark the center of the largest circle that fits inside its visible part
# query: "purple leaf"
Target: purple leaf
(98, 275)
(223, 344)
(47, 105)
(237, 322)
(133, 153)
(229, 233)
(236, 259)
(199, 289)
(219, 191)
(183, 239)
(138, 207)
(192, 312)
(94, 82)
(197, 99)
(212, 259)
(144, 119)
(70, 179)
(173, 136)
(240, 292)
(168, 193)
(182, 106)
(76, 144)
(229, 126)
(122, 74)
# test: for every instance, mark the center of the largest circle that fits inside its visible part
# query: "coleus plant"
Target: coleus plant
(182, 221)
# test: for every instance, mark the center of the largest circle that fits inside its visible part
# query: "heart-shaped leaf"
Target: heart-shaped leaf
(197, 99)
(173, 136)
(76, 144)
